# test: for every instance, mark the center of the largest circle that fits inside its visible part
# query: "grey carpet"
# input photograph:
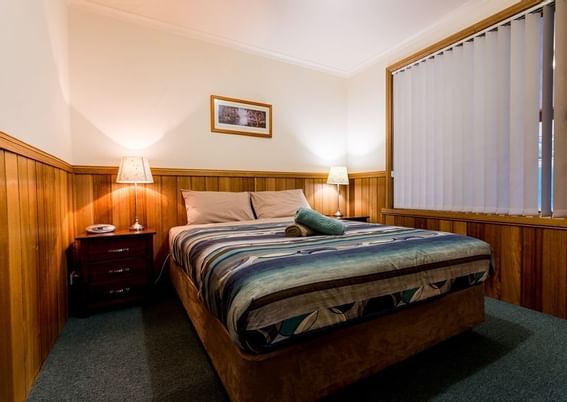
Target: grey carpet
(152, 353)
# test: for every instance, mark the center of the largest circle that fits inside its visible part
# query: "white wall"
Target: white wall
(143, 90)
(34, 82)
(366, 89)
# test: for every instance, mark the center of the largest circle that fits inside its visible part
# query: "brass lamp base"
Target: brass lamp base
(137, 226)
(338, 214)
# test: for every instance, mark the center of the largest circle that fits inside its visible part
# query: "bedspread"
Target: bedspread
(267, 288)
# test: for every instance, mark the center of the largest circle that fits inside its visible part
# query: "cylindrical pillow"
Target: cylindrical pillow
(299, 230)
(319, 223)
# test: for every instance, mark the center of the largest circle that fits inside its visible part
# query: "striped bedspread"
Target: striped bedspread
(267, 288)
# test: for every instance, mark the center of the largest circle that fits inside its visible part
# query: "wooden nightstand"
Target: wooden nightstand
(110, 269)
(352, 218)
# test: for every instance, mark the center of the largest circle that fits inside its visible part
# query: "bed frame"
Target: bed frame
(318, 366)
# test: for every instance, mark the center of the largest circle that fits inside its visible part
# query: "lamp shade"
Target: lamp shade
(338, 175)
(134, 169)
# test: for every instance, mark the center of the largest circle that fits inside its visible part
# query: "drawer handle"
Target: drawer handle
(119, 270)
(118, 291)
(119, 250)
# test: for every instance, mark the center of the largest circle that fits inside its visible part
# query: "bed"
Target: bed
(299, 318)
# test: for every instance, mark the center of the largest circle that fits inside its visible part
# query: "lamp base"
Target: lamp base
(137, 226)
(338, 214)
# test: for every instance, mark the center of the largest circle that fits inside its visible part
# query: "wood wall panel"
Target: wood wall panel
(14, 284)
(29, 237)
(368, 196)
(532, 268)
(6, 299)
(35, 217)
(554, 281)
(530, 262)
(511, 264)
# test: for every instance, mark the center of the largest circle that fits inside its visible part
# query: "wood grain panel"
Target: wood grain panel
(102, 208)
(36, 206)
(14, 252)
(532, 269)
(366, 196)
(29, 237)
(84, 201)
(554, 279)
(530, 261)
(511, 264)
(6, 297)
(460, 227)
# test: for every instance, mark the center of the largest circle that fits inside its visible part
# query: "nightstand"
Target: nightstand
(354, 218)
(111, 269)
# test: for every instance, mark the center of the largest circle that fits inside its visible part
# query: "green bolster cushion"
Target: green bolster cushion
(319, 223)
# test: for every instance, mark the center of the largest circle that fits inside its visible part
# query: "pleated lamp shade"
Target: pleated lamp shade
(134, 169)
(338, 175)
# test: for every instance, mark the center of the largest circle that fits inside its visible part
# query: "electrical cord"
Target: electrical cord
(162, 269)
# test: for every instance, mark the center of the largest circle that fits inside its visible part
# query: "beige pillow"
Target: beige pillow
(276, 204)
(216, 206)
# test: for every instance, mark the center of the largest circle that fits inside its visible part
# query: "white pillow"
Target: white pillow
(276, 204)
(217, 206)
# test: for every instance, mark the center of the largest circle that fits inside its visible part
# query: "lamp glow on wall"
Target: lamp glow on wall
(136, 170)
(338, 175)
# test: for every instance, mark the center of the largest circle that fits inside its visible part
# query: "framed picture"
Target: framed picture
(237, 116)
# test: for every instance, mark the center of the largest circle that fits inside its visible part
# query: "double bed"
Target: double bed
(297, 318)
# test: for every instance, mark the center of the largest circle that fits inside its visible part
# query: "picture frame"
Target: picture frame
(240, 117)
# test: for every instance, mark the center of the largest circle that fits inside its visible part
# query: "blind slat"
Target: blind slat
(560, 85)
(547, 110)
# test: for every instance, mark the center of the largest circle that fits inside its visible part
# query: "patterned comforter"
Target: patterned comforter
(268, 289)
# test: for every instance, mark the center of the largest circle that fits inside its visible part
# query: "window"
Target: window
(472, 124)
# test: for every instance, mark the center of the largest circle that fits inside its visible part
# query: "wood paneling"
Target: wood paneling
(98, 199)
(530, 260)
(368, 196)
(554, 281)
(35, 214)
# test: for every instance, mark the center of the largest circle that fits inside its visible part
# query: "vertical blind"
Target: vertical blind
(560, 112)
(467, 125)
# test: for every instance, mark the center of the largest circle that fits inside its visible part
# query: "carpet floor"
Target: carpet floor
(152, 353)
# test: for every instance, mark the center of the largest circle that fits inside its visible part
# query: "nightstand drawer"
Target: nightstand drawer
(110, 249)
(116, 293)
(119, 269)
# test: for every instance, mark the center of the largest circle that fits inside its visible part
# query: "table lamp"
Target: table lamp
(134, 169)
(338, 175)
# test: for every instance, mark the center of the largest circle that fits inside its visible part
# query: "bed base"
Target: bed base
(315, 367)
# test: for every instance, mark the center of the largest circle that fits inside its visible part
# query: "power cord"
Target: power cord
(162, 269)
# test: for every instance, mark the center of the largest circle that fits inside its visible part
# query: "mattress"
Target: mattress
(268, 289)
